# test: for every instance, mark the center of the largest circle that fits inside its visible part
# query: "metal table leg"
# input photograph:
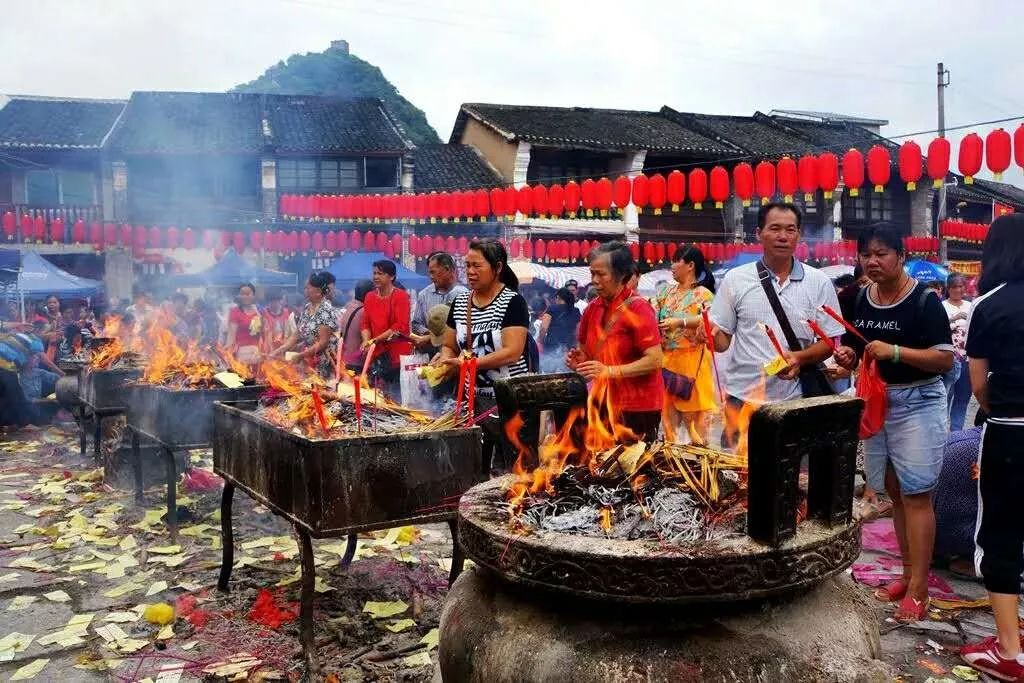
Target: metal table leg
(350, 551)
(172, 492)
(227, 537)
(137, 465)
(458, 559)
(306, 602)
(97, 435)
(82, 436)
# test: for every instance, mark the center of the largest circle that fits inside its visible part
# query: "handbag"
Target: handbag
(679, 385)
(813, 380)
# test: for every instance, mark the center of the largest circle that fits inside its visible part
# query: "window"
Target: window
(76, 188)
(860, 207)
(307, 175)
(42, 188)
(881, 206)
(381, 172)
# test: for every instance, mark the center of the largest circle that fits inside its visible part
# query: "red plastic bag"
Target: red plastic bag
(872, 388)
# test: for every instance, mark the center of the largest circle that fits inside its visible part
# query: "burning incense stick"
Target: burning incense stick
(820, 333)
(318, 404)
(775, 340)
(842, 321)
(356, 385)
(337, 361)
(710, 341)
(460, 390)
(471, 397)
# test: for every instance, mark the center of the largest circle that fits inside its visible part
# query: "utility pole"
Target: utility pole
(942, 82)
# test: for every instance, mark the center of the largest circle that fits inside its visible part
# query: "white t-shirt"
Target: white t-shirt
(958, 327)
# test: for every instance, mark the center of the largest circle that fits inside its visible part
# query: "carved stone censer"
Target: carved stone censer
(773, 605)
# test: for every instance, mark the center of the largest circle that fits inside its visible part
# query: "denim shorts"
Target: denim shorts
(912, 439)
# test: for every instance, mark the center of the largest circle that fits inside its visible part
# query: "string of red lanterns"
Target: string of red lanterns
(969, 233)
(604, 197)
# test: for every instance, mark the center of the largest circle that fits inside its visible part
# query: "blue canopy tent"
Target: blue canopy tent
(39, 278)
(926, 271)
(738, 260)
(352, 267)
(231, 271)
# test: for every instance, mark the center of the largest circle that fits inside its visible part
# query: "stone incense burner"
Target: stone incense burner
(774, 605)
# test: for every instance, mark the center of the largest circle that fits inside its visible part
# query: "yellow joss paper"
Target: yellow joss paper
(775, 366)
(160, 614)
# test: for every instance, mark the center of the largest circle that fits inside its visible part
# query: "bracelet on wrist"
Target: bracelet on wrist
(896, 353)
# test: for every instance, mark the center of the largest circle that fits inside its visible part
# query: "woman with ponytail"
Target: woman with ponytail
(686, 359)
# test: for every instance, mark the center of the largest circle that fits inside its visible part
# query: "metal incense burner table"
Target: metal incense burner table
(339, 487)
(174, 420)
(537, 605)
(102, 395)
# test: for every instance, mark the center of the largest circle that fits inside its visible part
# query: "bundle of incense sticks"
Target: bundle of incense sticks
(820, 334)
(775, 340)
(842, 321)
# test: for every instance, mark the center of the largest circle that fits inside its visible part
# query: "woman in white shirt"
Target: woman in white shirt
(958, 309)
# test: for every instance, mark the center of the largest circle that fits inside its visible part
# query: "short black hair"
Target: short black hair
(1002, 256)
(443, 259)
(620, 259)
(886, 233)
(387, 267)
(494, 253)
(363, 288)
(762, 213)
(844, 280)
(321, 280)
(250, 285)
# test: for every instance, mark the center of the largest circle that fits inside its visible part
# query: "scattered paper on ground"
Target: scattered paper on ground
(430, 640)
(57, 596)
(380, 610)
(30, 670)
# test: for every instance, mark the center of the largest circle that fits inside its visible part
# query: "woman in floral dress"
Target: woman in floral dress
(315, 326)
(679, 306)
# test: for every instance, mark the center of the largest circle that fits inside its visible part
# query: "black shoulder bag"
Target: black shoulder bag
(813, 381)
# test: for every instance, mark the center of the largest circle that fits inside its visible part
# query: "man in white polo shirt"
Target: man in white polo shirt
(741, 306)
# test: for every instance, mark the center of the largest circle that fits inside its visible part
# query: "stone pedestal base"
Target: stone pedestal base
(493, 632)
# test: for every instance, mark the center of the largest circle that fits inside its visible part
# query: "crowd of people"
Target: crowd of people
(772, 325)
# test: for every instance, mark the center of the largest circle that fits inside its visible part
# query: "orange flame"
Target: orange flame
(236, 366)
(105, 356)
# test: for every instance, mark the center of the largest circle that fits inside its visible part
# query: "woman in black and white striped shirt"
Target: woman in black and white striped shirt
(497, 333)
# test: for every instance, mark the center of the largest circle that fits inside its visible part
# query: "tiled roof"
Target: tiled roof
(831, 117)
(189, 123)
(985, 191)
(321, 124)
(755, 135)
(211, 123)
(584, 128)
(51, 123)
(835, 137)
(438, 167)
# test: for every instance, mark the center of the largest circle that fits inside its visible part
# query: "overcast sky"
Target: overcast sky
(869, 58)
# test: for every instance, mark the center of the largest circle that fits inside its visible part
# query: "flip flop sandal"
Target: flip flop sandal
(892, 591)
(911, 610)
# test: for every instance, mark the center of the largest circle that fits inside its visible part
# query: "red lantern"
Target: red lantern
(154, 237)
(39, 228)
(450, 244)
(438, 244)
(96, 235)
(515, 247)
(659, 252)
(657, 192)
(527, 249)
(140, 238)
(369, 241)
(396, 245)
(698, 187)
(305, 241)
(807, 176)
(498, 202)
(621, 191)
(225, 239)
(188, 239)
(969, 161)
(719, 180)
(828, 173)
(238, 241)
(540, 200)
(385, 249)
(878, 167)
(574, 250)
(342, 241)
(293, 243)
(604, 196)
(743, 181)
(649, 252)
(853, 171)
(355, 240)
(588, 196)
(997, 152)
(57, 229)
(10, 225)
(511, 199)
(641, 192)
(764, 181)
(938, 161)
(910, 164)
(78, 231)
(466, 203)
(124, 237)
(524, 200)
(675, 189)
(1018, 145)
(481, 206)
(572, 198)
(318, 241)
(786, 173)
(256, 239)
(556, 201)
(540, 250)
(171, 238)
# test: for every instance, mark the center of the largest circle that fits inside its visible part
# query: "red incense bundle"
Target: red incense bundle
(460, 391)
(471, 395)
(356, 383)
(710, 341)
(367, 361)
(842, 321)
(318, 404)
(775, 340)
(820, 334)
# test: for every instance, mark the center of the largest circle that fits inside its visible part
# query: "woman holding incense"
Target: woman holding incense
(619, 343)
(385, 326)
(900, 324)
(686, 359)
(487, 332)
(315, 327)
(245, 326)
(997, 379)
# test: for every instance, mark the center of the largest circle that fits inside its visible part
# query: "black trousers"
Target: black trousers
(1001, 516)
(15, 410)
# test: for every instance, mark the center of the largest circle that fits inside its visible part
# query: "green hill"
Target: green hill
(337, 72)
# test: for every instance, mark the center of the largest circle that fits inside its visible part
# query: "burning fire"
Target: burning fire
(108, 354)
(191, 366)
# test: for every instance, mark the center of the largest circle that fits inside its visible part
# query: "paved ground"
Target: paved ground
(74, 548)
